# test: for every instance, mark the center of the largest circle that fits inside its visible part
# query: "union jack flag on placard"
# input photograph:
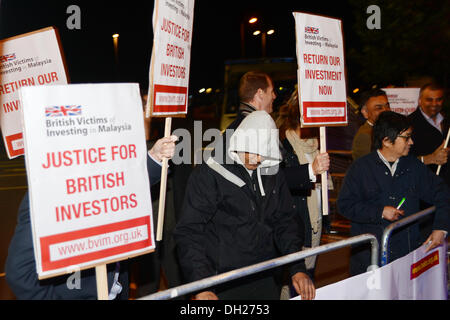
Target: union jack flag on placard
(7, 57)
(59, 111)
(312, 30)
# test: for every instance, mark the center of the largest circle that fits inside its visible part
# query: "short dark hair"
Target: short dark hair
(432, 86)
(250, 83)
(389, 125)
(376, 92)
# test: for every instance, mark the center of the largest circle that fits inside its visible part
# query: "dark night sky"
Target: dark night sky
(89, 51)
(411, 34)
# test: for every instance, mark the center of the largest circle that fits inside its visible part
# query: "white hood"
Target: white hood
(256, 134)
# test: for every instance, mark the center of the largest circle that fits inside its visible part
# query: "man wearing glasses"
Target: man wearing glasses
(375, 184)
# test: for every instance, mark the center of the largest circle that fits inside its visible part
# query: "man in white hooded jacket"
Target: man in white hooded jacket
(239, 214)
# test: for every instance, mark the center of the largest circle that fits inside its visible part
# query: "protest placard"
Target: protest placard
(321, 78)
(171, 56)
(403, 100)
(418, 275)
(30, 59)
(169, 72)
(86, 162)
(321, 70)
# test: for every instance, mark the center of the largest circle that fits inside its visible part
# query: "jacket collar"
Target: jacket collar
(403, 163)
(246, 108)
(393, 167)
(238, 175)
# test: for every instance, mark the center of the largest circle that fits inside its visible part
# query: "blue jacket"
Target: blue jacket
(20, 266)
(369, 186)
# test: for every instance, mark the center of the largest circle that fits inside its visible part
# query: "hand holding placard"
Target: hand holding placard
(445, 146)
(89, 201)
(321, 78)
(169, 73)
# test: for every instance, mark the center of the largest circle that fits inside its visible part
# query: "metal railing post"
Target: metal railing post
(245, 271)
(400, 223)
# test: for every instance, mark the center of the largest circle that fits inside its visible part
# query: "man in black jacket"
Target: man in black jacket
(256, 92)
(241, 213)
(21, 274)
(430, 130)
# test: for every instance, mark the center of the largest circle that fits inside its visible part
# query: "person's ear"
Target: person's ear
(259, 93)
(386, 142)
(364, 112)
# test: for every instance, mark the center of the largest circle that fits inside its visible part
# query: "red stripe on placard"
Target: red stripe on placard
(46, 242)
(169, 89)
(9, 141)
(424, 264)
(324, 104)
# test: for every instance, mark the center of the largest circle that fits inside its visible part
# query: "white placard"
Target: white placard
(171, 56)
(321, 70)
(403, 100)
(86, 162)
(31, 59)
(416, 276)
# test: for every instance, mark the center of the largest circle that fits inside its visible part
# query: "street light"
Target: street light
(252, 20)
(263, 39)
(116, 52)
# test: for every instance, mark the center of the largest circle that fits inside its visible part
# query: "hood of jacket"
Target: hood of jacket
(256, 134)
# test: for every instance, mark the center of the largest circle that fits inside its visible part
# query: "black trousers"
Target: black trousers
(261, 286)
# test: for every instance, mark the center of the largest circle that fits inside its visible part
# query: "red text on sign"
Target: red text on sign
(95, 207)
(174, 51)
(11, 87)
(74, 157)
(67, 158)
(11, 106)
(96, 182)
(325, 90)
(47, 78)
(123, 152)
(321, 59)
(174, 29)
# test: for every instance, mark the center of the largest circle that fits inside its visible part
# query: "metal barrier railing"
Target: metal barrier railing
(400, 223)
(245, 271)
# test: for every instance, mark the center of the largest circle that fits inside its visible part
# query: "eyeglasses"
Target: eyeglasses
(407, 138)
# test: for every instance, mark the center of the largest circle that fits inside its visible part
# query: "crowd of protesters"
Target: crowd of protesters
(259, 198)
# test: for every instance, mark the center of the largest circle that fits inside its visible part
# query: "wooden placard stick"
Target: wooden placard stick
(445, 146)
(102, 282)
(324, 176)
(163, 188)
